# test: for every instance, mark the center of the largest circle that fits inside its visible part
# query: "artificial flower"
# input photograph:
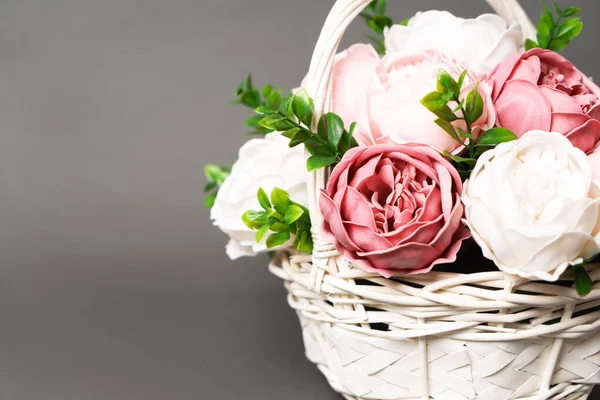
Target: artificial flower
(394, 209)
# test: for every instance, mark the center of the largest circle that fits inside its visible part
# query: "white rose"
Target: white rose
(481, 43)
(266, 163)
(533, 207)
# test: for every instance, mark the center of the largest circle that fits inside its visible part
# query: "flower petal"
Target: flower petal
(522, 108)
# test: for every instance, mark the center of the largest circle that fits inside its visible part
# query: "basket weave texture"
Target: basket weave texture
(442, 336)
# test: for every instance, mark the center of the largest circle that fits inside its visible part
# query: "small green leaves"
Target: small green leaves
(263, 199)
(495, 136)
(293, 119)
(301, 106)
(555, 32)
(454, 113)
(583, 282)
(283, 217)
(266, 100)
(318, 162)
(376, 19)
(215, 175)
(473, 105)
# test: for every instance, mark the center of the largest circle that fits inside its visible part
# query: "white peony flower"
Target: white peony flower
(266, 163)
(481, 43)
(533, 206)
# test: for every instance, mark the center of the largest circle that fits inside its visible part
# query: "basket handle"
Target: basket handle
(321, 67)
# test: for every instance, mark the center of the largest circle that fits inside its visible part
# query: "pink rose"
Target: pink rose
(392, 107)
(541, 90)
(352, 73)
(353, 69)
(394, 208)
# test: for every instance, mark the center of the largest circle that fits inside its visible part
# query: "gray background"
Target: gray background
(113, 284)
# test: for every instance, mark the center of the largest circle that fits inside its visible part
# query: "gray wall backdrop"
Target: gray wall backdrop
(113, 284)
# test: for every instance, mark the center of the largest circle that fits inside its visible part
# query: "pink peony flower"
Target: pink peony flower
(392, 107)
(541, 90)
(352, 74)
(394, 209)
(353, 70)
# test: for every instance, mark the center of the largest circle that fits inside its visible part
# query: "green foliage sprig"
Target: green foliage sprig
(283, 217)
(555, 32)
(293, 119)
(215, 175)
(449, 108)
(250, 96)
(583, 282)
(375, 17)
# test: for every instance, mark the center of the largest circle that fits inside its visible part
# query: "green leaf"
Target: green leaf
(263, 199)
(445, 113)
(380, 7)
(264, 110)
(495, 136)
(473, 105)
(569, 29)
(254, 219)
(530, 44)
(279, 227)
(251, 98)
(444, 81)
(209, 202)
(290, 133)
(334, 127)
(469, 161)
(300, 137)
(583, 282)
(558, 45)
(317, 162)
(301, 104)
(274, 100)
(281, 200)
(461, 81)
(307, 120)
(260, 234)
(434, 101)
(448, 127)
(557, 8)
(210, 186)
(277, 239)
(304, 242)
(404, 22)
(253, 121)
(293, 214)
(297, 136)
(276, 122)
(570, 11)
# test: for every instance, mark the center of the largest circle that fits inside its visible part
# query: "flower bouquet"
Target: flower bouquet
(432, 202)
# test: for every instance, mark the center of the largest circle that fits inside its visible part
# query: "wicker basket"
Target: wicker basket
(438, 335)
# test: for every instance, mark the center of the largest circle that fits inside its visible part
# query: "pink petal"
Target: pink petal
(560, 102)
(587, 136)
(566, 122)
(594, 112)
(498, 77)
(528, 70)
(354, 207)
(366, 238)
(522, 108)
(364, 171)
(444, 237)
(333, 228)
(409, 256)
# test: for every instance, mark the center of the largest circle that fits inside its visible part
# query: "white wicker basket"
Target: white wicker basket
(439, 335)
